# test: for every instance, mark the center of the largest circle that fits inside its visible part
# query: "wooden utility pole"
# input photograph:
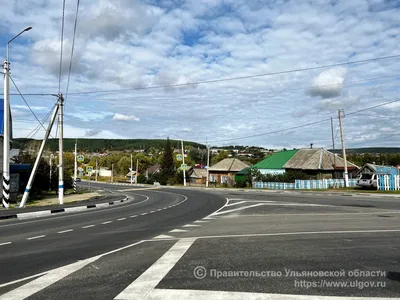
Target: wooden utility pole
(346, 174)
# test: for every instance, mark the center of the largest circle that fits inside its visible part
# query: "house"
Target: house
(274, 163)
(152, 170)
(225, 170)
(377, 169)
(198, 175)
(105, 172)
(320, 163)
(131, 174)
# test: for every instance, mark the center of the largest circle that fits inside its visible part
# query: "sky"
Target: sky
(130, 55)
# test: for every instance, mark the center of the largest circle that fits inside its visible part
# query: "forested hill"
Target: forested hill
(370, 150)
(98, 145)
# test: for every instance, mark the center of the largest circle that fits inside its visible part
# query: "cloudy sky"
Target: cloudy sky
(125, 50)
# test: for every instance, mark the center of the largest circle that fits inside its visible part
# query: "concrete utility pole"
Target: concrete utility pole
(96, 170)
(6, 126)
(51, 169)
(112, 172)
(208, 164)
(37, 161)
(60, 150)
(333, 146)
(75, 165)
(137, 170)
(346, 174)
(132, 170)
(183, 162)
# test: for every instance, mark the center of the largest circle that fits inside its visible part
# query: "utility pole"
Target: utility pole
(183, 162)
(51, 169)
(137, 170)
(112, 172)
(132, 170)
(37, 161)
(96, 170)
(60, 150)
(346, 174)
(208, 164)
(75, 165)
(333, 148)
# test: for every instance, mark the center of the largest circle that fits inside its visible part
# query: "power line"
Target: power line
(72, 49)
(62, 41)
(371, 107)
(241, 77)
(33, 94)
(35, 131)
(23, 98)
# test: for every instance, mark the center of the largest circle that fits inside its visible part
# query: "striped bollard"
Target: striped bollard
(6, 191)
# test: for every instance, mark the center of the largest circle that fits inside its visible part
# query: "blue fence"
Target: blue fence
(304, 184)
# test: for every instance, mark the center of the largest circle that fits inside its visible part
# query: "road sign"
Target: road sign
(184, 166)
(89, 169)
(80, 169)
(179, 157)
(80, 158)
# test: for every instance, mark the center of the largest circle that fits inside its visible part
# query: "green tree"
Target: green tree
(220, 156)
(167, 163)
(123, 165)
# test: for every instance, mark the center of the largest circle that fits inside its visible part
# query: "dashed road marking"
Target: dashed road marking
(143, 214)
(64, 231)
(199, 221)
(121, 219)
(133, 216)
(191, 225)
(6, 243)
(87, 226)
(178, 230)
(106, 222)
(36, 237)
(153, 211)
(163, 236)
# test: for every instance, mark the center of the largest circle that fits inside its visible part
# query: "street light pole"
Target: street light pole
(183, 162)
(6, 127)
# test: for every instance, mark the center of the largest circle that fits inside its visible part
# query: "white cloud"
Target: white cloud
(329, 83)
(122, 117)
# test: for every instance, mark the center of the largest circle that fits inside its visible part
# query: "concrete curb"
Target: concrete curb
(45, 213)
(119, 183)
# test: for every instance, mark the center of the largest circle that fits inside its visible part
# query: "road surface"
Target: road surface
(191, 244)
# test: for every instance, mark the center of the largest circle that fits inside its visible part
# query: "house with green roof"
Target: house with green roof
(274, 163)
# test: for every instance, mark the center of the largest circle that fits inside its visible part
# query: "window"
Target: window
(224, 179)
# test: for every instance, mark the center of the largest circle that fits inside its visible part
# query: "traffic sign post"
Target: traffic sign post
(89, 169)
(184, 166)
(80, 158)
(179, 157)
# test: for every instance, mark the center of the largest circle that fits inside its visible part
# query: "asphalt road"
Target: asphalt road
(252, 246)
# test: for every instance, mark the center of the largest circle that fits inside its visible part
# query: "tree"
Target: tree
(123, 165)
(167, 163)
(197, 155)
(220, 156)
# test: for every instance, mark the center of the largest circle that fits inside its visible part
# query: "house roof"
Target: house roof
(153, 169)
(317, 159)
(198, 173)
(243, 171)
(229, 165)
(276, 160)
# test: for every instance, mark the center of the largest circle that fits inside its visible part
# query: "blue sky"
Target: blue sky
(124, 44)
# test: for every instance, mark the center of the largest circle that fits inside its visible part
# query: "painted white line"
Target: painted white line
(236, 203)
(143, 214)
(121, 219)
(325, 214)
(153, 211)
(296, 233)
(163, 236)
(106, 222)
(41, 283)
(133, 216)
(87, 226)
(64, 231)
(200, 221)
(6, 243)
(191, 225)
(146, 282)
(178, 230)
(22, 279)
(159, 209)
(170, 294)
(236, 209)
(208, 218)
(36, 237)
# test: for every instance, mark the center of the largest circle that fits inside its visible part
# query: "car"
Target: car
(368, 181)
(78, 180)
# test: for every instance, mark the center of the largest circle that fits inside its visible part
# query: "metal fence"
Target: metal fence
(304, 184)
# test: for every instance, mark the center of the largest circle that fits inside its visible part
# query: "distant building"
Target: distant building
(105, 172)
(198, 175)
(225, 170)
(274, 163)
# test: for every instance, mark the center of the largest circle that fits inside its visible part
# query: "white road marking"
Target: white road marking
(121, 219)
(163, 236)
(200, 221)
(178, 230)
(159, 209)
(6, 243)
(22, 279)
(236, 209)
(133, 216)
(146, 282)
(208, 218)
(153, 211)
(295, 233)
(64, 231)
(36, 237)
(106, 222)
(191, 225)
(324, 214)
(51, 277)
(87, 226)
(170, 294)
(143, 214)
(236, 203)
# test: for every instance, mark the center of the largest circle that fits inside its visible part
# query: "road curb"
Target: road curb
(48, 212)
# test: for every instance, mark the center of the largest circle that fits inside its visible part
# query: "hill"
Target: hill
(370, 150)
(99, 145)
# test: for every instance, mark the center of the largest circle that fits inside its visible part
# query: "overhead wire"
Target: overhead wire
(240, 77)
(62, 42)
(23, 98)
